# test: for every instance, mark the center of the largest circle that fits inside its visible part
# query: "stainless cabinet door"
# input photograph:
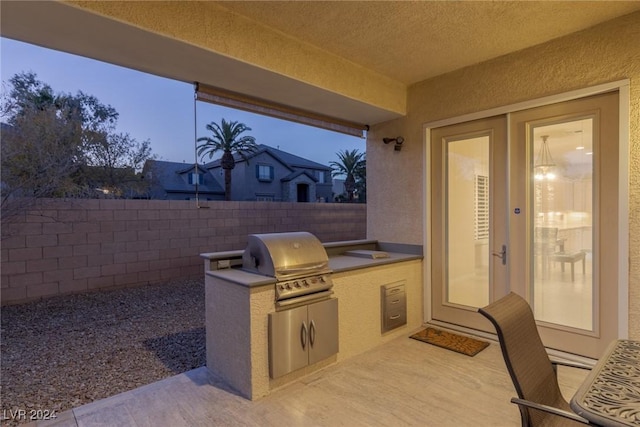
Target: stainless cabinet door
(288, 341)
(323, 330)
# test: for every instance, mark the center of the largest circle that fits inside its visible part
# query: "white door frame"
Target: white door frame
(622, 86)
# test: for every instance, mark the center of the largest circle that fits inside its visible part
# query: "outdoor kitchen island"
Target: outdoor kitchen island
(241, 304)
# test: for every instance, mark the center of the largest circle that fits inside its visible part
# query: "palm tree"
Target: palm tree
(226, 138)
(352, 164)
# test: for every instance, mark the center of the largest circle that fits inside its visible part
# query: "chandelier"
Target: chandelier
(544, 164)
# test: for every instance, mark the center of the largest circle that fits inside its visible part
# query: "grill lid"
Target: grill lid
(285, 255)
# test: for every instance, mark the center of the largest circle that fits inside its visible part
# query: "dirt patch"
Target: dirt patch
(63, 352)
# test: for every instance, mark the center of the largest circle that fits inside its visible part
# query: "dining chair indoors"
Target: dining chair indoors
(533, 374)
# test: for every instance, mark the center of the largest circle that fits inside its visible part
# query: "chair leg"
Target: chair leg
(573, 274)
(524, 416)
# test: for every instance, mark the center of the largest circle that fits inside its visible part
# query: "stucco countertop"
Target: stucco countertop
(241, 277)
(342, 263)
(339, 264)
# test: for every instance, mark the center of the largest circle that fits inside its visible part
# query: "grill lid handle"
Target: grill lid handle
(303, 269)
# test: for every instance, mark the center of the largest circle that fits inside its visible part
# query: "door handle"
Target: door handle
(303, 335)
(312, 333)
(502, 254)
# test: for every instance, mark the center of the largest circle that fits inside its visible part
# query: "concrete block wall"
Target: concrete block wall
(61, 246)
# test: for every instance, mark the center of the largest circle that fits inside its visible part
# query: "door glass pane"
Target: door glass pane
(562, 242)
(468, 219)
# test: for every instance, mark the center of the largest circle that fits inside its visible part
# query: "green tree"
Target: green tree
(114, 162)
(86, 112)
(361, 182)
(52, 142)
(352, 165)
(227, 137)
(41, 142)
(40, 152)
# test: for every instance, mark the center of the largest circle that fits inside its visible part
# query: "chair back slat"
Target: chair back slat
(527, 361)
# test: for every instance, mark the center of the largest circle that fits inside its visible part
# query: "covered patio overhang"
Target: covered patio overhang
(203, 42)
(341, 60)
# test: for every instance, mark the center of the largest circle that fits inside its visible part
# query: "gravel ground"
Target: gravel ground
(62, 352)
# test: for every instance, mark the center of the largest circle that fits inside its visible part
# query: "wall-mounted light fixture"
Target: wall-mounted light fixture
(398, 141)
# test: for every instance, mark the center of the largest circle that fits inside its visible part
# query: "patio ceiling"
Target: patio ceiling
(352, 60)
(411, 41)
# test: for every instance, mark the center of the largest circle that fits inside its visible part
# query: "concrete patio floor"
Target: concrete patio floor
(403, 382)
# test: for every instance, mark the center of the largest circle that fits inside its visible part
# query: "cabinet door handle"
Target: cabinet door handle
(303, 335)
(395, 301)
(397, 316)
(312, 333)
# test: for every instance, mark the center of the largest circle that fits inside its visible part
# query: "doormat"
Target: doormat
(451, 341)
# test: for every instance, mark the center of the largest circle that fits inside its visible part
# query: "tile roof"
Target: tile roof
(288, 159)
(170, 176)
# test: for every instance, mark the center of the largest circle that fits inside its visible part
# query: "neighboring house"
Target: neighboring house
(180, 181)
(275, 175)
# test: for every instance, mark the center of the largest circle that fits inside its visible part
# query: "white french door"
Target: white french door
(527, 202)
(468, 192)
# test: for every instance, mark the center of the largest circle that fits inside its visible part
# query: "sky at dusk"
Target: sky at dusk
(162, 110)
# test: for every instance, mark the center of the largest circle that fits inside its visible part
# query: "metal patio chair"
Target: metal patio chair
(533, 374)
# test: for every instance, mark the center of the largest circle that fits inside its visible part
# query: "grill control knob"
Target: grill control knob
(296, 284)
(288, 286)
(322, 279)
(305, 283)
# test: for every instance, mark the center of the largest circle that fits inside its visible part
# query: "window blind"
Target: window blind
(264, 173)
(239, 101)
(481, 225)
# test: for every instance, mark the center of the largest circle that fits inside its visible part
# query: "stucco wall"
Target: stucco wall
(238, 348)
(65, 246)
(602, 54)
(360, 309)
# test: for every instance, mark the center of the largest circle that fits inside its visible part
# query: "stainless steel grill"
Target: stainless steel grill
(297, 261)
